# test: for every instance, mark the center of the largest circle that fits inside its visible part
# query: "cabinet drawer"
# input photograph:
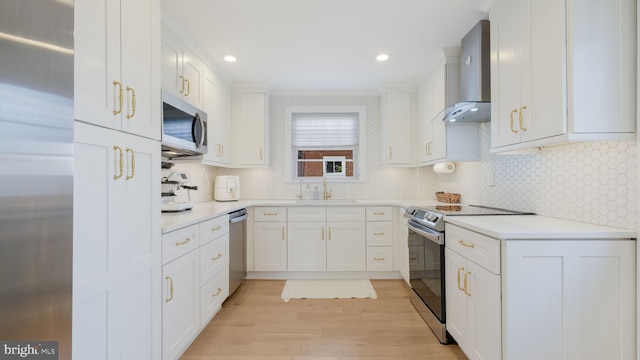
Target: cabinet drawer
(212, 294)
(481, 249)
(214, 228)
(379, 213)
(345, 213)
(379, 233)
(379, 258)
(307, 213)
(179, 242)
(270, 214)
(213, 257)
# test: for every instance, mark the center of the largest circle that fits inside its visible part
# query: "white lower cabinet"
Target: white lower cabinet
(181, 305)
(270, 239)
(473, 307)
(195, 279)
(537, 299)
(322, 245)
(569, 300)
(379, 256)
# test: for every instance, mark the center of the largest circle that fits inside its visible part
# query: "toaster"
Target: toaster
(226, 188)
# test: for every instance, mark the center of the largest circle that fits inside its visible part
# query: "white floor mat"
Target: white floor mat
(328, 289)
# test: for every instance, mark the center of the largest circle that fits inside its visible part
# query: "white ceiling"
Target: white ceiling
(293, 45)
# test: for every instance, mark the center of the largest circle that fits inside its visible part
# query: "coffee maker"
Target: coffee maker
(171, 182)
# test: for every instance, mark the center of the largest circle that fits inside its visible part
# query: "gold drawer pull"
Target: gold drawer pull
(460, 288)
(270, 213)
(217, 257)
(121, 167)
(170, 289)
(413, 258)
(186, 241)
(378, 234)
(378, 259)
(133, 163)
(216, 228)
(378, 213)
(466, 284)
(465, 244)
(283, 233)
(217, 293)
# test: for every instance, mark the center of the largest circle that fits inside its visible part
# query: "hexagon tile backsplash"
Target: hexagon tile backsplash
(591, 182)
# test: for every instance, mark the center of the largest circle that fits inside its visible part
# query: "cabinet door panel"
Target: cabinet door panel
(181, 304)
(141, 67)
(484, 309)
(456, 299)
(346, 246)
(307, 246)
(397, 128)
(270, 246)
(97, 62)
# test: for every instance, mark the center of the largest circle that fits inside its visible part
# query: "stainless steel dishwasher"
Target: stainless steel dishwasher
(237, 249)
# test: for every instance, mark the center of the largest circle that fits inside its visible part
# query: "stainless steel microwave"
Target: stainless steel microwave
(184, 128)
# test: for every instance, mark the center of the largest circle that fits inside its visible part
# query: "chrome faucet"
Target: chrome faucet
(327, 194)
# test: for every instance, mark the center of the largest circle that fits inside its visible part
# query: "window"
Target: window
(325, 142)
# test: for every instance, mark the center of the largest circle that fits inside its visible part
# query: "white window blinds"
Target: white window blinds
(324, 130)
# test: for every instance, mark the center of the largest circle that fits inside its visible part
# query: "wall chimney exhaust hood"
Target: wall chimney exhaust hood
(475, 79)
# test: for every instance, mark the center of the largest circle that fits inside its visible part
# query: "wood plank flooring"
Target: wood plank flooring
(256, 324)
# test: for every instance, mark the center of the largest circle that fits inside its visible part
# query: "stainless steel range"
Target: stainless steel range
(426, 258)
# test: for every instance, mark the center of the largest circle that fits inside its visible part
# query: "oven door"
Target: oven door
(426, 267)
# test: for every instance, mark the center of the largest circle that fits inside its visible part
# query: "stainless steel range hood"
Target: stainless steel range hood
(475, 79)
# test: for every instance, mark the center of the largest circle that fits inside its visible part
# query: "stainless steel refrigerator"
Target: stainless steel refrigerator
(36, 172)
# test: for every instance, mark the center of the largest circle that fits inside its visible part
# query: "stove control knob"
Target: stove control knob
(432, 217)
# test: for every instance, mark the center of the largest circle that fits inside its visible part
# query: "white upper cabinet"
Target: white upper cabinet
(116, 65)
(250, 119)
(398, 112)
(217, 105)
(437, 142)
(183, 73)
(560, 72)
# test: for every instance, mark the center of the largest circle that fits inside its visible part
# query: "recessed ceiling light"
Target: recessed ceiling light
(382, 57)
(229, 58)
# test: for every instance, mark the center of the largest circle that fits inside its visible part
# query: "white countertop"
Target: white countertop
(521, 227)
(212, 209)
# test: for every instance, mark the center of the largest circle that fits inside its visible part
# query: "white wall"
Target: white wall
(592, 182)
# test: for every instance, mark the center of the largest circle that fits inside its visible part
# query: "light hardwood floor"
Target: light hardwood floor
(256, 324)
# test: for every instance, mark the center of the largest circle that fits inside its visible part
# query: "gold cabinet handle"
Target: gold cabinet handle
(522, 109)
(511, 121)
(415, 258)
(283, 233)
(218, 150)
(269, 213)
(466, 244)
(216, 228)
(459, 270)
(378, 234)
(378, 213)
(182, 86)
(322, 237)
(466, 284)
(378, 259)
(170, 289)
(222, 154)
(426, 149)
(216, 257)
(390, 153)
(329, 233)
(120, 97)
(188, 87)
(119, 150)
(261, 154)
(133, 102)
(133, 163)
(217, 293)
(184, 242)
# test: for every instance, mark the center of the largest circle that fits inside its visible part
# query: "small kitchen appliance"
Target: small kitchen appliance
(171, 182)
(426, 258)
(227, 188)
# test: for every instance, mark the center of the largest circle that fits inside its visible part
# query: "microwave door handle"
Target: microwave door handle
(202, 126)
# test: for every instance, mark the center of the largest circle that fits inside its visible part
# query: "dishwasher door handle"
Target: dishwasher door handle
(234, 220)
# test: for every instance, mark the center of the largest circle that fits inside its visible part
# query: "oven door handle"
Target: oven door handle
(432, 235)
